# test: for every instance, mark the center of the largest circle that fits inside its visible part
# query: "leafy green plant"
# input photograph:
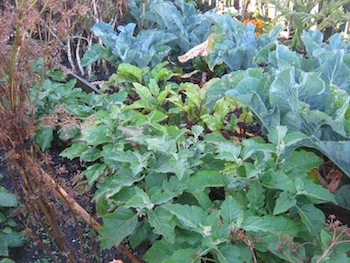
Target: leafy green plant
(309, 94)
(60, 106)
(10, 235)
(164, 176)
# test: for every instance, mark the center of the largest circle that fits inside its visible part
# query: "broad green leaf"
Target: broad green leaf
(3, 247)
(128, 73)
(142, 91)
(13, 239)
(284, 202)
(141, 234)
(252, 147)
(312, 217)
(175, 185)
(158, 196)
(293, 138)
(157, 116)
(343, 196)
(335, 71)
(8, 200)
(197, 130)
(95, 53)
(140, 201)
(301, 162)
(44, 137)
(187, 255)
(162, 144)
(179, 163)
(191, 217)
(112, 184)
(204, 179)
(318, 193)
(153, 87)
(159, 251)
(233, 253)
(75, 150)
(93, 172)
(95, 135)
(277, 180)
(228, 152)
(231, 211)
(326, 239)
(203, 199)
(117, 226)
(161, 220)
(271, 224)
(256, 196)
(91, 155)
(277, 135)
(7, 260)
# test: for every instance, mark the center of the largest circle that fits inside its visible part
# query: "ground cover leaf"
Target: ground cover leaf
(231, 211)
(161, 220)
(8, 200)
(116, 226)
(191, 217)
(204, 179)
(312, 218)
(284, 202)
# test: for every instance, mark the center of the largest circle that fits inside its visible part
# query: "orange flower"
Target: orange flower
(257, 23)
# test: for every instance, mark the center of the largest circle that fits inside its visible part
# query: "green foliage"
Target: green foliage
(164, 176)
(327, 16)
(235, 44)
(10, 237)
(308, 95)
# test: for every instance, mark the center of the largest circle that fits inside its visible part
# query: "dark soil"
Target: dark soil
(81, 238)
